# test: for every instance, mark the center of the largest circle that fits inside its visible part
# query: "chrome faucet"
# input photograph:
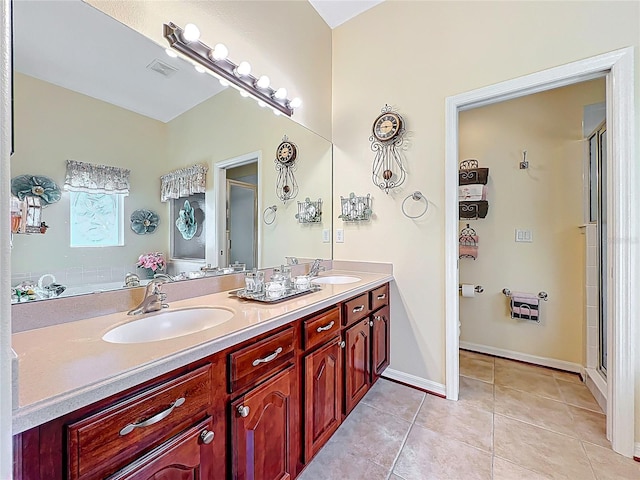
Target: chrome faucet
(316, 268)
(154, 298)
(164, 276)
(292, 260)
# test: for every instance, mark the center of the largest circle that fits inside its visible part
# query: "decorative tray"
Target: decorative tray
(262, 297)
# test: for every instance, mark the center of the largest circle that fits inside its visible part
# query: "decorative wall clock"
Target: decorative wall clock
(387, 137)
(286, 185)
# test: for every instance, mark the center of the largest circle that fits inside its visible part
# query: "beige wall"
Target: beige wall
(286, 40)
(413, 55)
(546, 199)
(202, 135)
(53, 124)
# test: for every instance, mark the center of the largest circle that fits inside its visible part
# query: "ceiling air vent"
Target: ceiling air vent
(162, 68)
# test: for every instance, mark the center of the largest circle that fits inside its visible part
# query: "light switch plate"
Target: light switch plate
(524, 236)
(326, 235)
(339, 235)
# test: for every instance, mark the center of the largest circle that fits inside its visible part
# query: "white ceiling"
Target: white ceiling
(73, 45)
(336, 12)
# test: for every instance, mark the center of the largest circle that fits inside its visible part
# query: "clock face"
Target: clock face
(286, 153)
(387, 126)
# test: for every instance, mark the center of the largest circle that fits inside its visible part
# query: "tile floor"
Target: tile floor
(513, 421)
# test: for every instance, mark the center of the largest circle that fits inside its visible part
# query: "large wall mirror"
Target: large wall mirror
(89, 89)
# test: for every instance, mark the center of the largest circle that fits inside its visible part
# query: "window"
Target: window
(96, 219)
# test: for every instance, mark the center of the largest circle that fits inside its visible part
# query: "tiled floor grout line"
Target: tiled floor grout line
(595, 476)
(404, 440)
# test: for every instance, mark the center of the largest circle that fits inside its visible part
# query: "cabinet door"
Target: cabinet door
(187, 456)
(380, 342)
(357, 363)
(323, 395)
(264, 431)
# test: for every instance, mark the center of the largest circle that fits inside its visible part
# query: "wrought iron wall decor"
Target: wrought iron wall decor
(472, 190)
(387, 137)
(355, 209)
(286, 185)
(468, 243)
(309, 212)
(186, 41)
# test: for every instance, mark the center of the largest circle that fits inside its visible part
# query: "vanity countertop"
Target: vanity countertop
(68, 366)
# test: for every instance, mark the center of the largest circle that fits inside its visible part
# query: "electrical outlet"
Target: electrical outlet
(339, 235)
(524, 236)
(326, 235)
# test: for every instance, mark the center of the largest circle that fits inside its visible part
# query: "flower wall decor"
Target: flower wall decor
(186, 221)
(144, 221)
(153, 260)
(35, 186)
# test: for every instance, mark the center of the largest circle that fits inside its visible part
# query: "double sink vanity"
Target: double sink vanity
(245, 390)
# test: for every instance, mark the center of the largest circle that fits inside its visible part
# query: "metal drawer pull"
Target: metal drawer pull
(329, 326)
(207, 436)
(382, 296)
(243, 411)
(358, 309)
(155, 419)
(268, 358)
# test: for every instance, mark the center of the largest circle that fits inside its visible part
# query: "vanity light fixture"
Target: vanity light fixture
(186, 41)
(171, 53)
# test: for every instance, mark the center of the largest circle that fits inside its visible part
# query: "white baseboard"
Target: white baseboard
(636, 450)
(418, 382)
(525, 357)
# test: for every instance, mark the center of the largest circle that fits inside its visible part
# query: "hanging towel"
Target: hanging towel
(468, 251)
(525, 306)
(472, 192)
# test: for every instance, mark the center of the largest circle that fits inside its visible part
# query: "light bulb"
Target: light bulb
(199, 68)
(171, 53)
(277, 113)
(243, 69)
(244, 93)
(263, 82)
(281, 93)
(219, 52)
(261, 103)
(223, 82)
(191, 33)
(295, 103)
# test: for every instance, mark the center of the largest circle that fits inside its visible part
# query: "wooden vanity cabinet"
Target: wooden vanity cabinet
(357, 363)
(380, 337)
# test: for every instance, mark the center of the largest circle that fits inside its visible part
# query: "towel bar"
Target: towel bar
(541, 295)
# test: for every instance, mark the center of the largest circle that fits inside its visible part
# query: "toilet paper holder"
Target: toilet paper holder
(477, 288)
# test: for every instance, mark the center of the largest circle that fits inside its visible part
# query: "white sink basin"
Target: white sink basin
(336, 279)
(164, 325)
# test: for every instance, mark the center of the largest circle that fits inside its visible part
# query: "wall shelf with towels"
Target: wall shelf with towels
(472, 190)
(468, 243)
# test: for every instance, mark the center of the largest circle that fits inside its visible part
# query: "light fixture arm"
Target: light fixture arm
(224, 69)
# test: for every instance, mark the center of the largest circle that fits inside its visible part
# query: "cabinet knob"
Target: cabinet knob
(342, 344)
(207, 436)
(371, 323)
(243, 411)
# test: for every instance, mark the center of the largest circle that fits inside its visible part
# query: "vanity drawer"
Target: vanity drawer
(111, 438)
(380, 297)
(356, 308)
(255, 362)
(321, 327)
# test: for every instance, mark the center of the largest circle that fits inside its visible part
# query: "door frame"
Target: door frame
(623, 172)
(254, 188)
(217, 204)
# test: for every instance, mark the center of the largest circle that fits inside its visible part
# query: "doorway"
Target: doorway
(236, 202)
(623, 255)
(242, 223)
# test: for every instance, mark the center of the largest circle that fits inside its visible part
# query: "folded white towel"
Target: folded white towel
(472, 192)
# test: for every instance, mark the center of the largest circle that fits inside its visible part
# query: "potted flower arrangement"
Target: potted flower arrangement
(152, 262)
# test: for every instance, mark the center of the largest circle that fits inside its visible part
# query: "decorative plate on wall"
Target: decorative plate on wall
(144, 221)
(36, 186)
(186, 221)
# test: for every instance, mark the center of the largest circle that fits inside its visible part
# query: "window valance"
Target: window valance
(183, 182)
(88, 177)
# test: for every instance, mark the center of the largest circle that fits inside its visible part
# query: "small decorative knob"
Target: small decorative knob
(371, 323)
(243, 411)
(342, 344)
(207, 436)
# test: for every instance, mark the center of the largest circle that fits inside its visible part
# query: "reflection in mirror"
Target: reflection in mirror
(90, 89)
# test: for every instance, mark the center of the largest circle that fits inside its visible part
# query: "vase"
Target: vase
(147, 273)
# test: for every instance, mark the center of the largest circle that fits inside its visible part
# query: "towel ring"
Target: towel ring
(416, 196)
(266, 214)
